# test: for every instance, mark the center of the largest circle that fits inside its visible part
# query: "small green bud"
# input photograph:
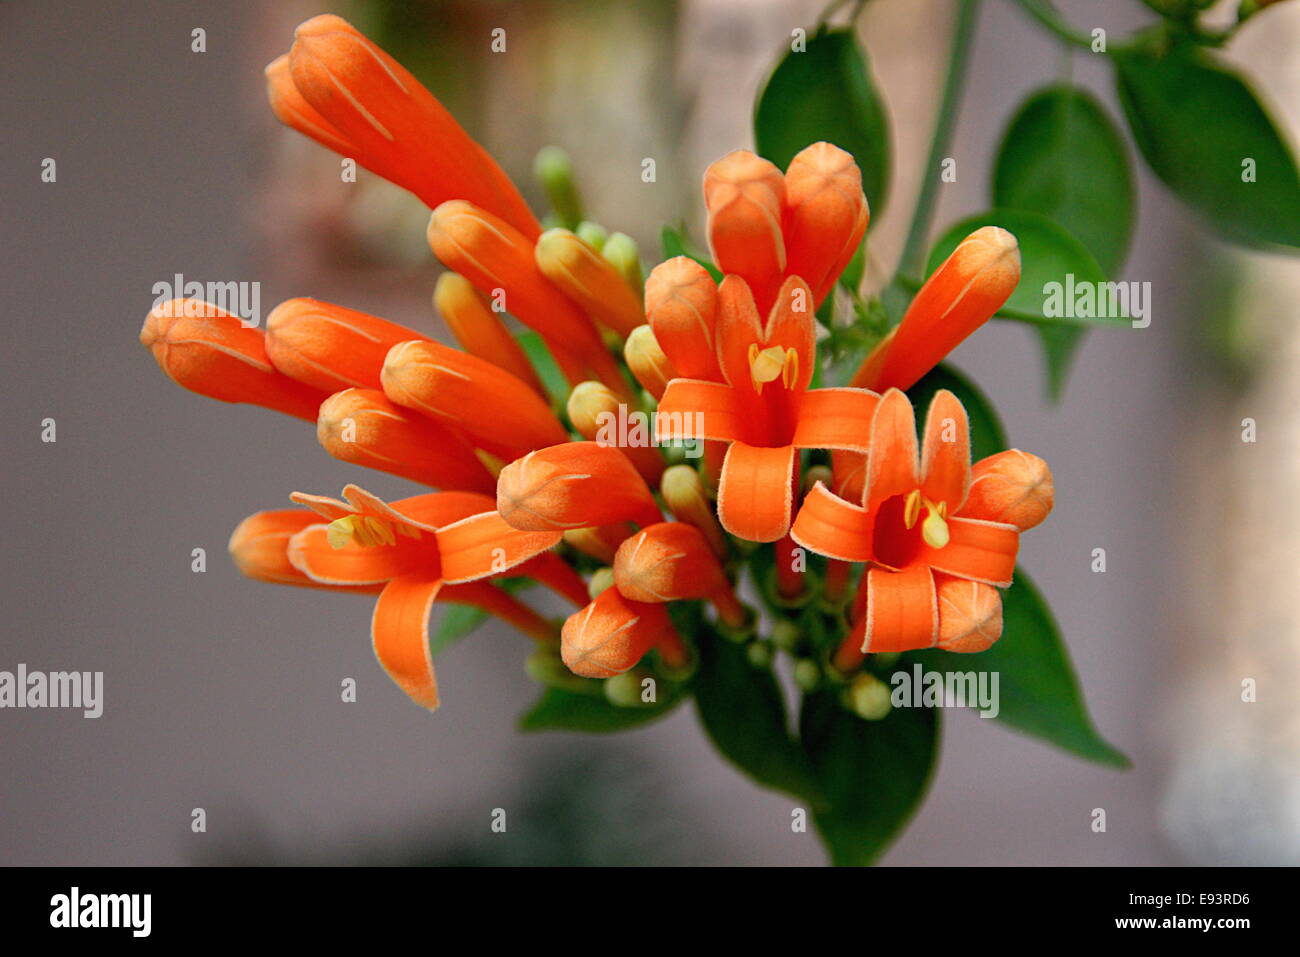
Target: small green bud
(627, 690)
(807, 675)
(554, 171)
(868, 697)
(620, 251)
(545, 667)
(593, 234)
(786, 634)
(601, 579)
(760, 654)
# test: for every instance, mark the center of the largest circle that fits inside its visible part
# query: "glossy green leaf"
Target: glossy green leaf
(873, 773)
(557, 387)
(1051, 260)
(986, 433)
(1200, 127)
(1062, 157)
(562, 710)
(826, 93)
(743, 712)
(1038, 692)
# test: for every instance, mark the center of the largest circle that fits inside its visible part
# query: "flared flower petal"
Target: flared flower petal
(364, 427)
(574, 485)
(902, 612)
(756, 491)
(696, 409)
(611, 634)
(208, 351)
(317, 553)
(329, 347)
(399, 635)
(976, 550)
(483, 545)
(681, 305)
(836, 418)
(892, 462)
(830, 526)
(498, 412)
(945, 455)
(393, 125)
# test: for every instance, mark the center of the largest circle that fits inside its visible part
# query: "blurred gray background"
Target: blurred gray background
(223, 693)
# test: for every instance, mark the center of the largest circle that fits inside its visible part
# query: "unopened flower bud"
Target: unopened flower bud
(681, 306)
(479, 330)
(620, 251)
(601, 579)
(684, 494)
(593, 234)
(970, 615)
(1013, 487)
(611, 635)
(868, 697)
(745, 197)
(647, 361)
(573, 485)
(582, 274)
(555, 172)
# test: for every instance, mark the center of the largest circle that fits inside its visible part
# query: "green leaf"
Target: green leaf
(674, 243)
(1038, 692)
(557, 387)
(873, 773)
(1048, 255)
(1062, 157)
(986, 433)
(457, 622)
(561, 710)
(743, 712)
(826, 93)
(1197, 124)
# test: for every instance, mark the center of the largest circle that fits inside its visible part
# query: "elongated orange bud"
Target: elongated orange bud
(1013, 487)
(296, 113)
(611, 635)
(825, 215)
(573, 485)
(745, 197)
(685, 497)
(596, 413)
(395, 126)
(364, 427)
(582, 274)
(499, 413)
(498, 260)
(213, 353)
(650, 367)
(479, 330)
(961, 295)
(600, 541)
(330, 347)
(259, 547)
(673, 561)
(970, 615)
(681, 305)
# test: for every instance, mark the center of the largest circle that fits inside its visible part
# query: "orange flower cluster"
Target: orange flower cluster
(730, 364)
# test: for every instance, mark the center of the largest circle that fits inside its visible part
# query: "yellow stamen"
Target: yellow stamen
(790, 371)
(912, 508)
(367, 531)
(765, 365)
(935, 527)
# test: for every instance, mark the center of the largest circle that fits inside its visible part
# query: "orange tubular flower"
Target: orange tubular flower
(213, 353)
(259, 547)
(574, 485)
(766, 228)
(588, 279)
(499, 413)
(681, 305)
(413, 548)
(364, 427)
(968, 288)
(349, 95)
(330, 347)
(612, 634)
(499, 260)
(479, 330)
(672, 561)
(927, 540)
(764, 409)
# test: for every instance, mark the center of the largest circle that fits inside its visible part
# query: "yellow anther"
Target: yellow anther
(380, 532)
(935, 527)
(912, 508)
(366, 531)
(765, 365)
(790, 370)
(341, 531)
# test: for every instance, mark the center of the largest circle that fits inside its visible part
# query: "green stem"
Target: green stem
(1049, 18)
(913, 259)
